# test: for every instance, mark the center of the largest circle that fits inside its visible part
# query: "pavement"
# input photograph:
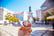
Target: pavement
(37, 30)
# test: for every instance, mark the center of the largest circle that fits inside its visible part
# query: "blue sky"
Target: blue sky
(21, 5)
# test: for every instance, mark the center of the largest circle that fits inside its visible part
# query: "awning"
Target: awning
(50, 18)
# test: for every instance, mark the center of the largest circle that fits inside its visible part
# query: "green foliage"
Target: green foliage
(11, 18)
(47, 15)
(52, 12)
(35, 19)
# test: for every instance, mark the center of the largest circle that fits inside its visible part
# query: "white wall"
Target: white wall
(38, 13)
(1, 15)
(5, 11)
(25, 16)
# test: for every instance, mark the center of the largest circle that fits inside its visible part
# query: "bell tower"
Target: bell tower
(29, 8)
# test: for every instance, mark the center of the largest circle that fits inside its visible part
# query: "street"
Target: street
(9, 30)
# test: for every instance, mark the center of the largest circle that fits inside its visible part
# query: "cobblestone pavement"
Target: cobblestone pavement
(37, 30)
(42, 33)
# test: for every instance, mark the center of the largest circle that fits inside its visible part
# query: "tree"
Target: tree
(35, 19)
(52, 12)
(47, 15)
(11, 18)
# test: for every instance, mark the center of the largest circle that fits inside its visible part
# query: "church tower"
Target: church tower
(29, 8)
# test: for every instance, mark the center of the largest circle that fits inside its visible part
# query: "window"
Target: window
(43, 7)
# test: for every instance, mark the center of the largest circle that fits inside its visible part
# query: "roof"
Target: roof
(5, 9)
(44, 4)
(48, 9)
(48, 4)
(18, 13)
